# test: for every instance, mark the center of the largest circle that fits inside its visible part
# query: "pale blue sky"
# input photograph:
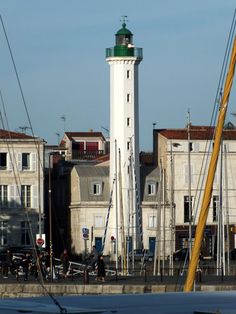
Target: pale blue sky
(59, 49)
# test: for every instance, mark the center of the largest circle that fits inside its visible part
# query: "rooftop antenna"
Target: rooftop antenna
(63, 118)
(24, 128)
(105, 129)
(58, 138)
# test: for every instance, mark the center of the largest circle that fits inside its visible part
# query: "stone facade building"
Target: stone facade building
(21, 188)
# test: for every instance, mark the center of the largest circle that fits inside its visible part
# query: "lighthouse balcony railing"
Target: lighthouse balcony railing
(124, 51)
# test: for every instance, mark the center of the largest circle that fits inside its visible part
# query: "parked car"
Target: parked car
(139, 254)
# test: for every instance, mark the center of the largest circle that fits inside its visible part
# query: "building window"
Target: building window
(151, 188)
(128, 73)
(26, 196)
(128, 145)
(3, 196)
(190, 146)
(128, 98)
(25, 161)
(215, 207)
(25, 235)
(186, 208)
(97, 188)
(3, 161)
(98, 221)
(128, 122)
(3, 232)
(152, 221)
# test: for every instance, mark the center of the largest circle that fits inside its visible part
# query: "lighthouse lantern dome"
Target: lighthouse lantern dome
(124, 37)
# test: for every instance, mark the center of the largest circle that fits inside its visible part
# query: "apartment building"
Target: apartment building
(21, 188)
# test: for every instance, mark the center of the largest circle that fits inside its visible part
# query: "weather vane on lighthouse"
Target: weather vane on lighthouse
(124, 19)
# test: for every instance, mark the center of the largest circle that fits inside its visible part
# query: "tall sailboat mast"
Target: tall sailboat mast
(211, 174)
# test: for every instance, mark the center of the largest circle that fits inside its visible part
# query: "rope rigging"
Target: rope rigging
(16, 172)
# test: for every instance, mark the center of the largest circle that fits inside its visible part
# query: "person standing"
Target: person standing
(65, 262)
(101, 272)
(7, 264)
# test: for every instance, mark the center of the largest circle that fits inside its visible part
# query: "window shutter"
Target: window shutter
(9, 162)
(19, 161)
(34, 197)
(33, 162)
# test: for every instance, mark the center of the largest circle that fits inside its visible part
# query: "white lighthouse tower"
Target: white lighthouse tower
(124, 59)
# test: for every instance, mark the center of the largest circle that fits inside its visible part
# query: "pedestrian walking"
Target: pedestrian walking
(94, 256)
(65, 263)
(100, 267)
(8, 264)
(25, 263)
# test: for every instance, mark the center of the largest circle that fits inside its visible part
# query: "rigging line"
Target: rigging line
(18, 184)
(21, 89)
(218, 95)
(9, 144)
(17, 178)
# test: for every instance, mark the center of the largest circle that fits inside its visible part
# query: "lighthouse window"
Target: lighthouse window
(128, 145)
(128, 98)
(128, 74)
(128, 121)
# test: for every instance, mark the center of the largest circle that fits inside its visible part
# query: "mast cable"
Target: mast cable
(41, 281)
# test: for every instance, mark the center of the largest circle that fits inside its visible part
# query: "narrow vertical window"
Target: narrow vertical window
(187, 208)
(215, 207)
(128, 98)
(128, 73)
(26, 196)
(3, 161)
(3, 196)
(128, 145)
(3, 232)
(128, 121)
(152, 221)
(25, 235)
(25, 161)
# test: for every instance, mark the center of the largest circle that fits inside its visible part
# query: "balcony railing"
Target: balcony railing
(86, 154)
(124, 51)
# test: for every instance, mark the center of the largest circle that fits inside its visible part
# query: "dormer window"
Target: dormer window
(151, 188)
(97, 188)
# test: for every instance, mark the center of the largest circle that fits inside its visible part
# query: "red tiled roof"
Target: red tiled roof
(4, 134)
(196, 133)
(70, 135)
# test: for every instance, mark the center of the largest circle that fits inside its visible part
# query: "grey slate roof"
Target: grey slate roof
(92, 171)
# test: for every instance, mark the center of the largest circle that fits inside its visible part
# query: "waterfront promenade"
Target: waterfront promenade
(122, 285)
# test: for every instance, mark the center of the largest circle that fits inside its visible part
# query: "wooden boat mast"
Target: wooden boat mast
(211, 174)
